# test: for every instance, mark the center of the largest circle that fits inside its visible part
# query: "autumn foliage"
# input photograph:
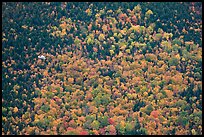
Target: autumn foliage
(110, 69)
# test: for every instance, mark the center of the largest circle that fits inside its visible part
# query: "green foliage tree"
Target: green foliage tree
(149, 109)
(138, 105)
(45, 108)
(103, 121)
(173, 61)
(95, 124)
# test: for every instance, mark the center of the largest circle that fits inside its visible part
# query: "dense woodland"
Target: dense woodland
(118, 68)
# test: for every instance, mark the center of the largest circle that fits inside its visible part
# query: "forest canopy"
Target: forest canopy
(102, 68)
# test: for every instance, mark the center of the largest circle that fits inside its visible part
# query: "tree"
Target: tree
(111, 121)
(155, 114)
(84, 132)
(111, 130)
(95, 124)
(103, 121)
(45, 108)
(182, 120)
(138, 105)
(101, 37)
(151, 57)
(148, 109)
(148, 13)
(137, 130)
(173, 61)
(121, 128)
(15, 110)
(137, 8)
(129, 128)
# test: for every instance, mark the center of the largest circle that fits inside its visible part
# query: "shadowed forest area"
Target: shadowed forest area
(102, 68)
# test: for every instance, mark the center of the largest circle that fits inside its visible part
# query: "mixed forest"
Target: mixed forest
(110, 68)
